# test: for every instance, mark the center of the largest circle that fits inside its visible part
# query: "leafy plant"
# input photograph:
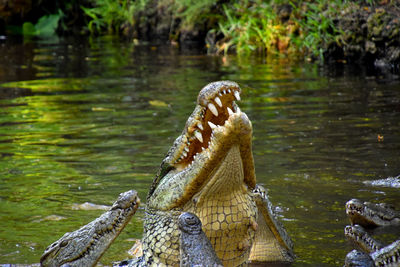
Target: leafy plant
(46, 25)
(249, 26)
(316, 23)
(109, 15)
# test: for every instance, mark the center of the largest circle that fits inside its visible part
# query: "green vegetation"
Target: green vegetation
(244, 26)
(110, 15)
(297, 27)
(249, 26)
(45, 26)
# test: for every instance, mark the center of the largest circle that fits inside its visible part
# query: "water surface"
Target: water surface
(83, 120)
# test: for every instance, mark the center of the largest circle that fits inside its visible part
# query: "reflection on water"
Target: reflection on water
(84, 121)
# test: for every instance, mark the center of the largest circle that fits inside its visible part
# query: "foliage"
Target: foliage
(317, 27)
(46, 25)
(193, 12)
(109, 15)
(249, 26)
(255, 26)
(246, 26)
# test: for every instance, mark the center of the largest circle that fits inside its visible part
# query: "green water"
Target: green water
(85, 120)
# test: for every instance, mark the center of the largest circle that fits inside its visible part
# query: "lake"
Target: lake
(84, 120)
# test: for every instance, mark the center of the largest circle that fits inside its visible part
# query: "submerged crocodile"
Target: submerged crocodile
(371, 215)
(85, 246)
(209, 171)
(371, 252)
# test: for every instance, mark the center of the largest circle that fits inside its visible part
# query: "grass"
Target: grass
(243, 26)
(109, 15)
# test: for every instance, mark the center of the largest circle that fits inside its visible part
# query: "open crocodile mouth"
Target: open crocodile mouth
(368, 213)
(356, 234)
(216, 103)
(354, 206)
(216, 125)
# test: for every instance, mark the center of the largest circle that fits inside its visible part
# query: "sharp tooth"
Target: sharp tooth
(229, 90)
(184, 154)
(198, 136)
(186, 149)
(218, 101)
(238, 110)
(230, 112)
(202, 148)
(213, 109)
(212, 125)
(200, 126)
(237, 95)
(224, 91)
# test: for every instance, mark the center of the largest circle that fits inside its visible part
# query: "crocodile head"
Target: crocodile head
(215, 128)
(209, 171)
(85, 246)
(373, 253)
(371, 215)
(357, 235)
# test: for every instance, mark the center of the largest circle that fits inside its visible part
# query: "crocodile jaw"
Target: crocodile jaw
(178, 187)
(192, 160)
(371, 215)
(85, 246)
(211, 175)
(357, 235)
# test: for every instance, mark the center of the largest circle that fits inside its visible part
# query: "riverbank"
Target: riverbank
(330, 31)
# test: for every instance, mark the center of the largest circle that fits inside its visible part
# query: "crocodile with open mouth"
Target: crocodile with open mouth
(370, 251)
(209, 171)
(370, 214)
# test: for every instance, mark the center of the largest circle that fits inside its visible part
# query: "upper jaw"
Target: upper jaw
(190, 161)
(372, 214)
(215, 104)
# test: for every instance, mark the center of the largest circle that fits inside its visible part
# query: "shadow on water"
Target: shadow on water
(85, 120)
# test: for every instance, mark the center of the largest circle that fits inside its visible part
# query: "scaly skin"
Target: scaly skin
(271, 234)
(373, 252)
(371, 215)
(388, 256)
(209, 171)
(85, 246)
(357, 235)
(195, 248)
(356, 258)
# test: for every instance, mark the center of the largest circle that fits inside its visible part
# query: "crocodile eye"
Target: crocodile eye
(64, 243)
